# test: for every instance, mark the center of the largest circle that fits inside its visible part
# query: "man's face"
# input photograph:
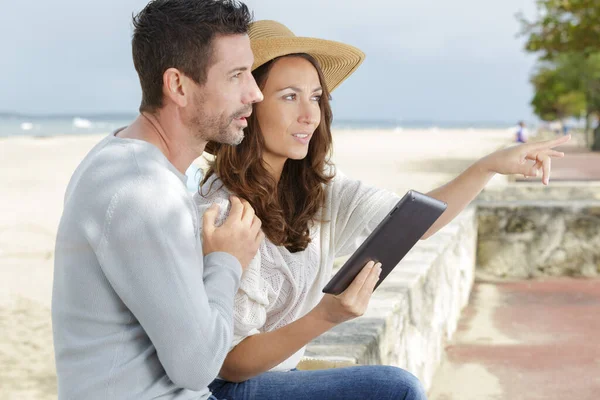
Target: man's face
(220, 107)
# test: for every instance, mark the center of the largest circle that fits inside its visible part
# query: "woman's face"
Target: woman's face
(290, 112)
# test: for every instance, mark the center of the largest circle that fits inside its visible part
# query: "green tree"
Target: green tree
(563, 26)
(566, 33)
(554, 98)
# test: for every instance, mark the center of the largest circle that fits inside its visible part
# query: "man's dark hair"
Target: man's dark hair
(179, 34)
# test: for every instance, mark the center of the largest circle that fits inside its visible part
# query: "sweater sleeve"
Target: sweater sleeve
(356, 210)
(184, 301)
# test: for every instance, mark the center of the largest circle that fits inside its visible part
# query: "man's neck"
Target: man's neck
(168, 136)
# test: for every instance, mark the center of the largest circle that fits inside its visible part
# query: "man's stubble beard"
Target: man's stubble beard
(216, 128)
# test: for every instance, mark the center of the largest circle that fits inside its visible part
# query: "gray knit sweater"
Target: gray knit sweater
(138, 312)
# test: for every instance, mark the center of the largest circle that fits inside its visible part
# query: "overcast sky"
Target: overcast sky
(439, 60)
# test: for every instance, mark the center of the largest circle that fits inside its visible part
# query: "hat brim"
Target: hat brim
(337, 60)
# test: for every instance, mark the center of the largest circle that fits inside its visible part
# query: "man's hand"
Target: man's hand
(240, 235)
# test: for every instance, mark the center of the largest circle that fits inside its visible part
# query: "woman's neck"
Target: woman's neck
(274, 165)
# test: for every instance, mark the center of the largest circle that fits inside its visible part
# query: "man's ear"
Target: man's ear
(177, 87)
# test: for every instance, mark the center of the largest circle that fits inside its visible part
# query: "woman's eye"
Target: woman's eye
(317, 98)
(290, 96)
(236, 76)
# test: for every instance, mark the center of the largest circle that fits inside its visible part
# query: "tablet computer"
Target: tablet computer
(393, 238)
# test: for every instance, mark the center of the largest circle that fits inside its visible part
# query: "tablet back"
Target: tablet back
(391, 240)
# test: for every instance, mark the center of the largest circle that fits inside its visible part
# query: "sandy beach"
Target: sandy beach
(34, 173)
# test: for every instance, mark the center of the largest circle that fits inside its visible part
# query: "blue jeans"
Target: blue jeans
(377, 382)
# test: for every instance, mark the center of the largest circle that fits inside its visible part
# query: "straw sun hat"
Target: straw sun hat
(271, 39)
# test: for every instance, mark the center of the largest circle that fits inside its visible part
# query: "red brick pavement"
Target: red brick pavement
(553, 348)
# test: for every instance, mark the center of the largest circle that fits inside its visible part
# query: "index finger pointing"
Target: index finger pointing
(534, 155)
(548, 144)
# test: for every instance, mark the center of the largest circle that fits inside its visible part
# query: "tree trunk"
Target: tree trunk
(587, 133)
(596, 142)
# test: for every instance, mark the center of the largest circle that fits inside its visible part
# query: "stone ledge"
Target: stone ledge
(414, 311)
(535, 238)
(557, 190)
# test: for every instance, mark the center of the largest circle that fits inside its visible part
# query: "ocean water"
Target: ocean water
(43, 126)
(17, 125)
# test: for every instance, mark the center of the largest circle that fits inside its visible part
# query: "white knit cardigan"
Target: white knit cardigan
(278, 287)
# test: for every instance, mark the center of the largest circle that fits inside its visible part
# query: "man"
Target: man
(142, 308)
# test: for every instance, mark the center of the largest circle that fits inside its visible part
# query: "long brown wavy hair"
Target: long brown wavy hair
(288, 208)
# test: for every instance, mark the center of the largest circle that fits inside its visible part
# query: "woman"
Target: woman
(312, 214)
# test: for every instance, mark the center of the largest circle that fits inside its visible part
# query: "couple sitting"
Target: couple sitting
(158, 294)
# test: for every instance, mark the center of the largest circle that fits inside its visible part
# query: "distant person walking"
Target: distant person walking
(521, 134)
